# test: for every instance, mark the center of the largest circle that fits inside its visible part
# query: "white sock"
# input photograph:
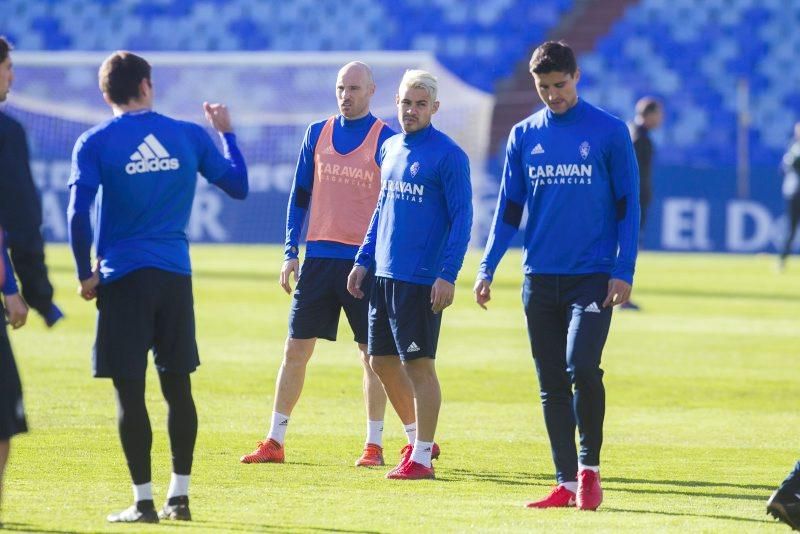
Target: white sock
(571, 486)
(422, 452)
(178, 486)
(411, 432)
(277, 429)
(143, 492)
(375, 433)
(595, 468)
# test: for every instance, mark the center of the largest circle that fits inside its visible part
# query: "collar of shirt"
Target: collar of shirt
(415, 138)
(571, 116)
(356, 124)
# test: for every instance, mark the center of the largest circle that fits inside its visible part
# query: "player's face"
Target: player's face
(353, 92)
(654, 119)
(6, 77)
(415, 109)
(558, 90)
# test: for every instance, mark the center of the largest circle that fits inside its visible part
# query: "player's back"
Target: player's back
(147, 165)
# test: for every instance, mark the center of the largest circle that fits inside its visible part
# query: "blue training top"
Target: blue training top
(578, 176)
(145, 166)
(347, 136)
(421, 227)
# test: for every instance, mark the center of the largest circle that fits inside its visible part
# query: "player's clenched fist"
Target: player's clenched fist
(218, 116)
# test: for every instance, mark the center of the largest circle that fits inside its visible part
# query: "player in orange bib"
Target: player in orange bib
(336, 184)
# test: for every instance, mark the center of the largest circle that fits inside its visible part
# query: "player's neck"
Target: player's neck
(131, 107)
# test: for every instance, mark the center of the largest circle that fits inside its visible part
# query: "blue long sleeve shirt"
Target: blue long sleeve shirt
(577, 175)
(9, 285)
(421, 227)
(145, 167)
(347, 136)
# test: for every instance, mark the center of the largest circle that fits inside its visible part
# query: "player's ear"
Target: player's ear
(577, 75)
(107, 99)
(435, 107)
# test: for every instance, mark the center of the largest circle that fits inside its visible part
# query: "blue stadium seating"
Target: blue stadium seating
(692, 54)
(471, 37)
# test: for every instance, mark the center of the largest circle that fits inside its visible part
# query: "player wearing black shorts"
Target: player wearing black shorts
(147, 165)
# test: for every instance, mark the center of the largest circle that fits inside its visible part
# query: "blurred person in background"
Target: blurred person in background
(649, 116)
(791, 193)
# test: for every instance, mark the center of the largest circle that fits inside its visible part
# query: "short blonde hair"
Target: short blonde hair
(420, 79)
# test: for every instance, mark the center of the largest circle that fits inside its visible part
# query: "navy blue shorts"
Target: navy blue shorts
(12, 411)
(146, 309)
(321, 294)
(401, 322)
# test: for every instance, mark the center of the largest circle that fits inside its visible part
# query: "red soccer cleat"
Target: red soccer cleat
(411, 471)
(267, 452)
(405, 456)
(560, 497)
(590, 494)
(372, 456)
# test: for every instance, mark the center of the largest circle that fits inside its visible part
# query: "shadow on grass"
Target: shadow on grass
(689, 483)
(686, 514)
(27, 527)
(627, 484)
(255, 527)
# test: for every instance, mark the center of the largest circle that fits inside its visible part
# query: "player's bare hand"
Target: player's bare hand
(218, 116)
(16, 310)
(354, 281)
(88, 287)
(619, 292)
(289, 266)
(483, 292)
(442, 294)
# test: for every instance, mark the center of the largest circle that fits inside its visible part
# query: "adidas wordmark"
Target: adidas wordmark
(151, 156)
(592, 308)
(413, 347)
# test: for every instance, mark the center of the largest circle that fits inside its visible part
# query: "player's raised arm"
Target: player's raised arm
(233, 179)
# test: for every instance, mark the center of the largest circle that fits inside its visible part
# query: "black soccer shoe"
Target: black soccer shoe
(177, 509)
(138, 513)
(785, 506)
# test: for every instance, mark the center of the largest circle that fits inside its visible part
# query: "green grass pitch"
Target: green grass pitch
(701, 423)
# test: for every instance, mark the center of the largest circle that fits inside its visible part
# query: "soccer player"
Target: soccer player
(416, 242)
(336, 184)
(784, 504)
(23, 217)
(791, 193)
(649, 116)
(12, 410)
(574, 167)
(147, 165)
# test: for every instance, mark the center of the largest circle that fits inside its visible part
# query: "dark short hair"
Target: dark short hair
(647, 105)
(5, 48)
(120, 76)
(553, 56)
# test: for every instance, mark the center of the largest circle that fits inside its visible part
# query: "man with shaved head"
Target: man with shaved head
(336, 184)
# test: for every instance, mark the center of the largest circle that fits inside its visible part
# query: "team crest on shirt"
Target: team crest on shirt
(414, 168)
(584, 149)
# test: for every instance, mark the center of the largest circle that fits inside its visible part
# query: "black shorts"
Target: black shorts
(401, 321)
(321, 294)
(146, 309)
(12, 410)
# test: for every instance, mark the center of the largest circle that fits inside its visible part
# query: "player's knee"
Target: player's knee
(297, 352)
(381, 366)
(586, 376)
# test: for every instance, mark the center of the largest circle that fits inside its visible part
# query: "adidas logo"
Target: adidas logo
(151, 156)
(592, 308)
(537, 149)
(284, 422)
(413, 347)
